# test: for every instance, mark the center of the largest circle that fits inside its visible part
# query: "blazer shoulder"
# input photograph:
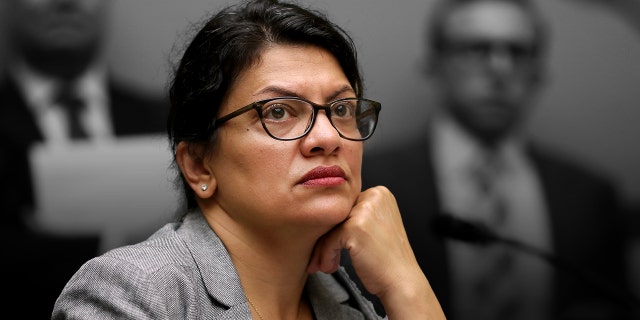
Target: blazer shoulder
(163, 248)
(154, 279)
(564, 167)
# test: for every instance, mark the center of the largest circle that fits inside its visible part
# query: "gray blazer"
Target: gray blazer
(184, 271)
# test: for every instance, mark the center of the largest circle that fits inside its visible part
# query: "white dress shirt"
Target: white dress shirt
(527, 219)
(39, 92)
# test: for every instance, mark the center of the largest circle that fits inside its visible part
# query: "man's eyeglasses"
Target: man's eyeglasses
(521, 54)
(291, 118)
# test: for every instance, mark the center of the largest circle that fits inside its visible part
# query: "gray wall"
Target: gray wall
(589, 108)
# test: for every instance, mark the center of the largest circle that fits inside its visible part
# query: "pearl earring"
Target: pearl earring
(204, 187)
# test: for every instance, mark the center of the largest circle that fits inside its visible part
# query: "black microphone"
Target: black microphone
(450, 226)
(447, 225)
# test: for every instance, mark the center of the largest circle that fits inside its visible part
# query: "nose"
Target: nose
(501, 61)
(323, 138)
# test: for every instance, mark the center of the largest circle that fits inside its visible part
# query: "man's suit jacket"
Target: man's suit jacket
(47, 261)
(184, 271)
(582, 207)
(131, 112)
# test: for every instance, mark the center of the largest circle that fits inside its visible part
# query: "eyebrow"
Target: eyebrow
(289, 93)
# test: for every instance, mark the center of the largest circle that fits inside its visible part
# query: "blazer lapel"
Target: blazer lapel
(17, 123)
(216, 268)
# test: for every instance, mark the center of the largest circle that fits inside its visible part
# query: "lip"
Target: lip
(323, 176)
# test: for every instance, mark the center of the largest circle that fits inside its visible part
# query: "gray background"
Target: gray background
(589, 107)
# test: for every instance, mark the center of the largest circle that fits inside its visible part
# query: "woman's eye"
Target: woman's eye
(342, 110)
(275, 112)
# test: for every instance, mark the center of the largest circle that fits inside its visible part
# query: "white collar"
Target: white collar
(456, 149)
(38, 89)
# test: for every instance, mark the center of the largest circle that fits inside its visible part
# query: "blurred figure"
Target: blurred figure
(55, 90)
(503, 227)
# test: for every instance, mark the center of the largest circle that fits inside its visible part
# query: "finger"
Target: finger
(326, 254)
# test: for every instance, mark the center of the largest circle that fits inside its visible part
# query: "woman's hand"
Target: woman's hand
(381, 255)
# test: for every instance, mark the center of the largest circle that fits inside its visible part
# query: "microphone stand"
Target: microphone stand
(452, 227)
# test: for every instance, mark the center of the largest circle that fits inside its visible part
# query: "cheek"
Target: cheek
(354, 153)
(257, 161)
(233, 158)
(461, 86)
(251, 170)
(521, 90)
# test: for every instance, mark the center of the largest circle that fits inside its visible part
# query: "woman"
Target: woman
(266, 126)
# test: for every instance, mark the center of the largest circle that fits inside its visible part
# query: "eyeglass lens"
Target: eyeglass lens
(481, 50)
(354, 119)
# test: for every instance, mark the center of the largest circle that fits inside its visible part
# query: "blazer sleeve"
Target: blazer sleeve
(111, 288)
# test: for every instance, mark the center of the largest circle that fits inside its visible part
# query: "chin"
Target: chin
(329, 213)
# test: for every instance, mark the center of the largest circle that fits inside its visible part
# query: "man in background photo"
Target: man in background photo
(503, 226)
(56, 92)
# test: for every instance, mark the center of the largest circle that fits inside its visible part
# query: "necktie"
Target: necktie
(496, 295)
(73, 104)
(486, 175)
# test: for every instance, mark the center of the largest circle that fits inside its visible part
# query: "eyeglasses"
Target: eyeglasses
(291, 118)
(479, 52)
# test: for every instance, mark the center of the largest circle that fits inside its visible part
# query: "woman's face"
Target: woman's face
(266, 182)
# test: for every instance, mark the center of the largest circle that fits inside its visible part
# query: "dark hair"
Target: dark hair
(442, 10)
(230, 42)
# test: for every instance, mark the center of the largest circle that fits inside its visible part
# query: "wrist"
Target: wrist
(410, 298)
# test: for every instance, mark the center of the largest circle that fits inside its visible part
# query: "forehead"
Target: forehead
(292, 70)
(289, 70)
(492, 20)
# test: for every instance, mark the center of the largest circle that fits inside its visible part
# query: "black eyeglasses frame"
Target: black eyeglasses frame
(257, 106)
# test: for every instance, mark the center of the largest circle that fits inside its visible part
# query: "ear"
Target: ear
(195, 170)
